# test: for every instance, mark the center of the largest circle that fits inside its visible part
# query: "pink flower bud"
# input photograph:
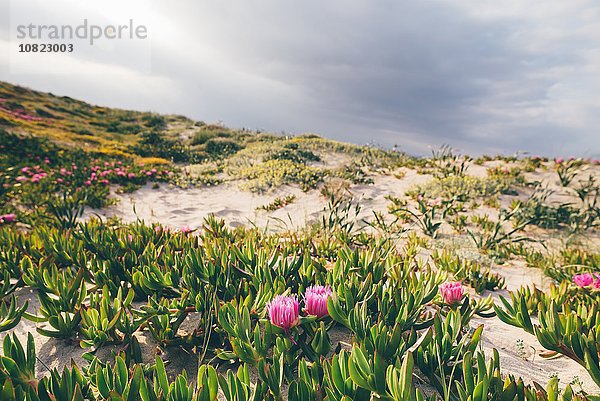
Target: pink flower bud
(315, 300)
(284, 311)
(452, 292)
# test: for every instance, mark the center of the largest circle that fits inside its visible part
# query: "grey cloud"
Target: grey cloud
(411, 73)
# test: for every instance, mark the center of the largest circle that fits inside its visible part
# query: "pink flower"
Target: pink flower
(452, 292)
(583, 280)
(559, 160)
(315, 300)
(186, 229)
(21, 178)
(88, 183)
(59, 180)
(130, 175)
(9, 218)
(284, 311)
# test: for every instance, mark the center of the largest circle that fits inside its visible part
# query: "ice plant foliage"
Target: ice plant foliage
(315, 300)
(284, 311)
(452, 292)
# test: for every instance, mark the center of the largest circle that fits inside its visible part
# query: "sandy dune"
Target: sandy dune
(175, 207)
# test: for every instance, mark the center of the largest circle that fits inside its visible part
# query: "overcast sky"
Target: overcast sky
(483, 76)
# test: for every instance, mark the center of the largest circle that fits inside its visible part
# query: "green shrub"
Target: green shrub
(201, 137)
(155, 121)
(220, 147)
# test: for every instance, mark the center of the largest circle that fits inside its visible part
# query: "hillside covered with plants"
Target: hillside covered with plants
(399, 303)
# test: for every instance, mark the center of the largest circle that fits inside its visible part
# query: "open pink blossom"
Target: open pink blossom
(452, 292)
(586, 280)
(284, 311)
(8, 218)
(559, 160)
(315, 300)
(186, 229)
